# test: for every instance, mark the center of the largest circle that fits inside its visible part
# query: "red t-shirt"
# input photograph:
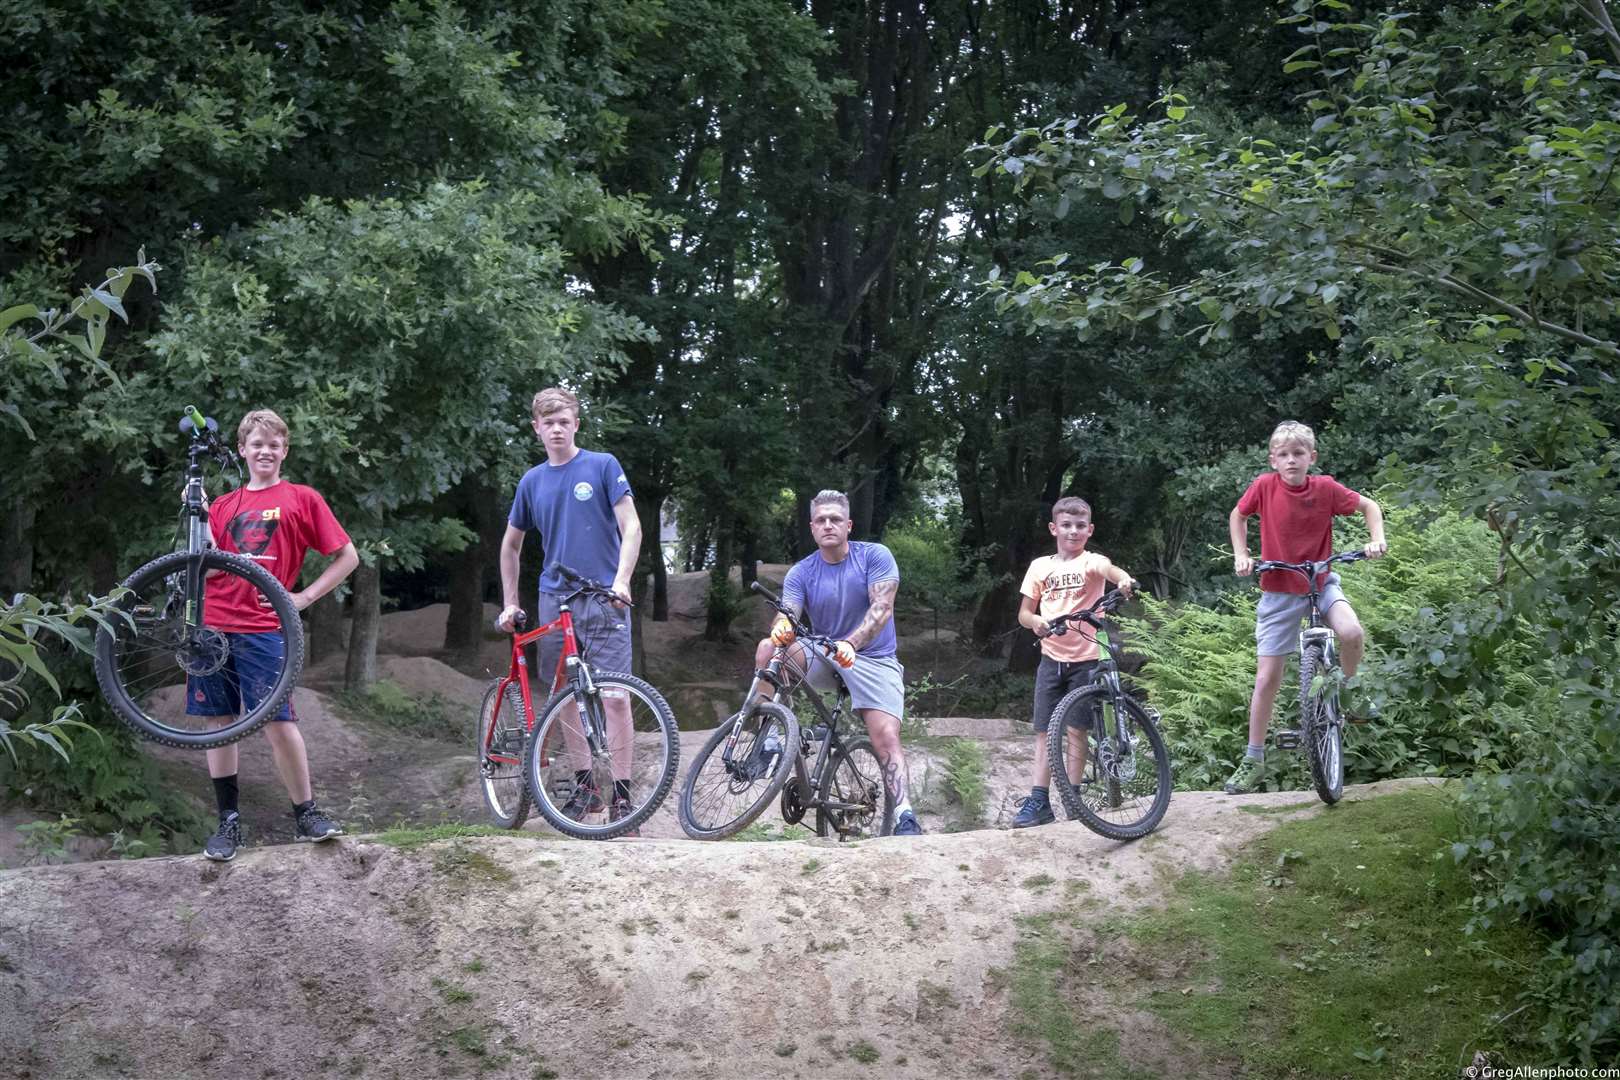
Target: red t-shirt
(1296, 524)
(275, 527)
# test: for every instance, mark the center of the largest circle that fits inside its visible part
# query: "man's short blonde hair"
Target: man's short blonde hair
(554, 399)
(261, 418)
(829, 497)
(1292, 431)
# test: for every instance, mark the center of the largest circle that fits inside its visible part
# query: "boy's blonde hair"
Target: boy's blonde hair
(1073, 504)
(554, 399)
(261, 418)
(1292, 431)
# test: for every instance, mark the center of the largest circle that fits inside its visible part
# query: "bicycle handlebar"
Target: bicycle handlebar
(584, 584)
(828, 645)
(1309, 569)
(1109, 604)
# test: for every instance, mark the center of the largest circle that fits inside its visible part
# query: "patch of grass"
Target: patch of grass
(863, 1052)
(389, 705)
(786, 1049)
(1285, 808)
(911, 922)
(473, 966)
(470, 1040)
(696, 977)
(451, 993)
(810, 867)
(761, 832)
(542, 1072)
(1334, 947)
(406, 838)
(1038, 881)
(465, 865)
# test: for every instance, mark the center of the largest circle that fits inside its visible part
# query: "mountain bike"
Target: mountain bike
(159, 634)
(1109, 762)
(761, 751)
(1321, 724)
(601, 757)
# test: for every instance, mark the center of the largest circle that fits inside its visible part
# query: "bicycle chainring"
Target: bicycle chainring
(795, 800)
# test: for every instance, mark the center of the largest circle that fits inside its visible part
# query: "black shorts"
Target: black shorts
(1054, 679)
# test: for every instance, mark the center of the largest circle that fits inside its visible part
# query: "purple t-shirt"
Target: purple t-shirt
(572, 507)
(836, 595)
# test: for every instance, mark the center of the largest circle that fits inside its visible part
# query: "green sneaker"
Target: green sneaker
(1249, 777)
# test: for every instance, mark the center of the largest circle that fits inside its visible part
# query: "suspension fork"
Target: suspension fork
(198, 541)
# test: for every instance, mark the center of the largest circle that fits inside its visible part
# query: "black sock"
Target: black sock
(225, 794)
(621, 789)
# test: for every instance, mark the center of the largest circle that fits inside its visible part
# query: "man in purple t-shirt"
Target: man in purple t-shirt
(848, 589)
(579, 501)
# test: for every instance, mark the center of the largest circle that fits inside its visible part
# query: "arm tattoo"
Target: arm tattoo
(894, 778)
(881, 610)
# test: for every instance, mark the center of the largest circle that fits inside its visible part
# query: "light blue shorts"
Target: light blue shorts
(1278, 615)
(875, 682)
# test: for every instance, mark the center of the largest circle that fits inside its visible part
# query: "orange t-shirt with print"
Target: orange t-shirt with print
(1060, 586)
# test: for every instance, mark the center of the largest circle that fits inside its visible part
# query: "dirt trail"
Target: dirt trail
(524, 956)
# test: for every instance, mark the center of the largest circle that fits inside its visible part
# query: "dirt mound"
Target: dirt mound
(518, 957)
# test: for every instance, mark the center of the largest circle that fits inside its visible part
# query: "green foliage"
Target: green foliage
(964, 768)
(110, 785)
(387, 705)
(23, 657)
(46, 842)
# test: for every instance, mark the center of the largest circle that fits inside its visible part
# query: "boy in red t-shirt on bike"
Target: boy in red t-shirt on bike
(1296, 524)
(275, 523)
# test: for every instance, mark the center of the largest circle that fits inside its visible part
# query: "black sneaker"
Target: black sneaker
(585, 800)
(906, 825)
(620, 810)
(1033, 810)
(221, 847)
(315, 826)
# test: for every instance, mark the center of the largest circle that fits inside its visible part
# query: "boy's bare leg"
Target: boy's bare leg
(1267, 678)
(1043, 768)
(223, 760)
(621, 735)
(292, 760)
(1352, 638)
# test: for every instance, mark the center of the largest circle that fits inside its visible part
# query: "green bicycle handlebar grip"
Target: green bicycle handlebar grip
(199, 423)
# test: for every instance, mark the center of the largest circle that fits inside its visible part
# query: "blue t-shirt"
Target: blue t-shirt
(572, 507)
(836, 595)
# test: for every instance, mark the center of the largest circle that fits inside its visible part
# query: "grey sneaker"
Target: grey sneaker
(315, 826)
(221, 847)
(1249, 777)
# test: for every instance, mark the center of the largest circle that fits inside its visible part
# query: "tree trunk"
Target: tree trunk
(324, 637)
(720, 608)
(17, 548)
(361, 672)
(471, 568)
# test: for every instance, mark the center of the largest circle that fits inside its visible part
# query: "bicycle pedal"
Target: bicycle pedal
(1287, 739)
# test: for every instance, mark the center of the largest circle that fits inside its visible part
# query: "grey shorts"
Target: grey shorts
(602, 629)
(875, 682)
(1277, 617)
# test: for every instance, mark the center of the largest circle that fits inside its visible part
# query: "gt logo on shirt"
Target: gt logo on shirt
(583, 491)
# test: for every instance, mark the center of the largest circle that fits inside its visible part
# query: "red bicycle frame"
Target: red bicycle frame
(519, 673)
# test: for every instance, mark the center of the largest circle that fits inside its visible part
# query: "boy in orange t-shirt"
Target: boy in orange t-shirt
(1068, 581)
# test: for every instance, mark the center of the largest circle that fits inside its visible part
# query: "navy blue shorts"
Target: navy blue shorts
(245, 680)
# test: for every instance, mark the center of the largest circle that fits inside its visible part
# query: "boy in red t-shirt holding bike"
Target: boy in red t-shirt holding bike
(1296, 524)
(275, 523)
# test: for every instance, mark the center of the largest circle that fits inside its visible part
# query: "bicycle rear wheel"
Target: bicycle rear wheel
(1120, 765)
(1320, 725)
(153, 641)
(502, 728)
(856, 804)
(731, 782)
(608, 791)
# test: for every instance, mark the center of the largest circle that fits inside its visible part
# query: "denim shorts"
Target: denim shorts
(1053, 680)
(1278, 614)
(875, 682)
(245, 680)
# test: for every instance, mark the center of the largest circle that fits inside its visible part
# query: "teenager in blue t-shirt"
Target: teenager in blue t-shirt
(848, 589)
(579, 501)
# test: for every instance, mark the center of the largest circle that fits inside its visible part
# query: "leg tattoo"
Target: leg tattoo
(894, 778)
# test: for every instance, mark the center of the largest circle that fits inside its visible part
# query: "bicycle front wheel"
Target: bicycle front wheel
(1320, 725)
(599, 764)
(856, 803)
(502, 727)
(1109, 763)
(153, 641)
(733, 780)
